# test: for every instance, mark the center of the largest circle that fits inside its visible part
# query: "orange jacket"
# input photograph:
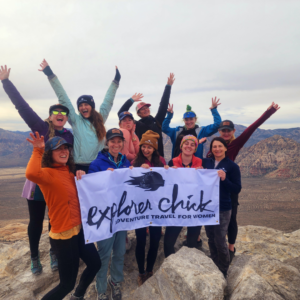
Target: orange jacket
(196, 161)
(58, 187)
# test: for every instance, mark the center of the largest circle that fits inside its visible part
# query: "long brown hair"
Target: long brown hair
(51, 129)
(97, 121)
(140, 159)
(47, 161)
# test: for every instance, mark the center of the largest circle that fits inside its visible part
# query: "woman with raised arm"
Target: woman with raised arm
(52, 167)
(229, 173)
(114, 247)
(131, 141)
(148, 122)
(52, 126)
(88, 126)
(190, 127)
(234, 145)
(147, 157)
(186, 159)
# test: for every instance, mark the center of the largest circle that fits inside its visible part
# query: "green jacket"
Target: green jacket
(86, 144)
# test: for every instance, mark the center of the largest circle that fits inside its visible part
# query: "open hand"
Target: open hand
(276, 106)
(171, 79)
(170, 108)
(4, 73)
(214, 103)
(137, 97)
(222, 175)
(79, 174)
(202, 140)
(37, 142)
(43, 65)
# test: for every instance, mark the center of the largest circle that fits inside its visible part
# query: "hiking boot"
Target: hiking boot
(149, 274)
(36, 267)
(102, 297)
(115, 289)
(77, 298)
(231, 254)
(54, 262)
(199, 244)
(224, 273)
(142, 278)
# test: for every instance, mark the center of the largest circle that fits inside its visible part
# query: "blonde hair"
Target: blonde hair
(51, 129)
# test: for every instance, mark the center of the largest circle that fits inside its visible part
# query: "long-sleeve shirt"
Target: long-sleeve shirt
(150, 122)
(35, 123)
(176, 134)
(58, 187)
(86, 143)
(131, 148)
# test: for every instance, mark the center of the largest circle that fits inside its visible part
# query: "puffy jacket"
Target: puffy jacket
(200, 132)
(105, 161)
(177, 162)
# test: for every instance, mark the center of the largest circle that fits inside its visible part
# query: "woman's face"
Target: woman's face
(61, 155)
(190, 123)
(188, 148)
(126, 123)
(58, 120)
(218, 150)
(85, 110)
(147, 150)
(144, 112)
(226, 134)
(115, 145)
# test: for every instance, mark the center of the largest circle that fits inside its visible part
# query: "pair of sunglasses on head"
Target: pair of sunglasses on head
(55, 112)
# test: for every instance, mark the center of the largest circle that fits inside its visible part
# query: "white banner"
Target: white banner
(128, 199)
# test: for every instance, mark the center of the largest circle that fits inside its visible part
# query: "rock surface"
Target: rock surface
(187, 272)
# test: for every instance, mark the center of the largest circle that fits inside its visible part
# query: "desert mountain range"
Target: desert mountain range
(270, 153)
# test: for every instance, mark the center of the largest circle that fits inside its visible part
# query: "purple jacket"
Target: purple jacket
(34, 122)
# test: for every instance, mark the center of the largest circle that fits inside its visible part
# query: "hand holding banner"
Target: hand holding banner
(128, 199)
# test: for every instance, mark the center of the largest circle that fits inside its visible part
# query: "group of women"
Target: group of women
(59, 154)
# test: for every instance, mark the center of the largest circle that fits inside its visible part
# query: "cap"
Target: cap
(54, 107)
(226, 124)
(55, 142)
(86, 99)
(125, 114)
(189, 113)
(111, 133)
(142, 104)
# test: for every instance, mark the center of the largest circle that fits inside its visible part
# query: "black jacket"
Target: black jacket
(152, 123)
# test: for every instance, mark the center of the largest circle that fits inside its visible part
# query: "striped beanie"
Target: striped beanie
(191, 138)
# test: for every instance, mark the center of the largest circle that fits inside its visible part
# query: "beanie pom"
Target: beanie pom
(188, 108)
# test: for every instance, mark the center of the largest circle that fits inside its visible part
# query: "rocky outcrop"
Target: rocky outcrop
(266, 266)
(275, 157)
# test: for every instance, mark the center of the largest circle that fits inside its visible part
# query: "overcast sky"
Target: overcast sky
(247, 53)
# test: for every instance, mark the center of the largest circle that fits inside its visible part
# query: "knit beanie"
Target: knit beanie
(86, 99)
(150, 138)
(191, 138)
(189, 113)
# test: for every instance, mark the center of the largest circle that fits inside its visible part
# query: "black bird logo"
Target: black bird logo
(150, 181)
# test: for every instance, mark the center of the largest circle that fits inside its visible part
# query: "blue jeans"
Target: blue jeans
(116, 248)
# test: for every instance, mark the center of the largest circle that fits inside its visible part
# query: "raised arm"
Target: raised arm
(126, 106)
(166, 123)
(213, 128)
(59, 91)
(108, 101)
(34, 171)
(246, 134)
(34, 122)
(163, 106)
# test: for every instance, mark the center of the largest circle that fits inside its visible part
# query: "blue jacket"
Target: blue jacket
(232, 182)
(204, 131)
(104, 161)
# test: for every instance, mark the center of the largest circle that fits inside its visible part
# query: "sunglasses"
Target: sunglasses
(55, 112)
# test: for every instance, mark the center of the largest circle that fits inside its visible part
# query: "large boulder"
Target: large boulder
(188, 274)
(262, 277)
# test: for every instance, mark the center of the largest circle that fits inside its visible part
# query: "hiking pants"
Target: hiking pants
(233, 226)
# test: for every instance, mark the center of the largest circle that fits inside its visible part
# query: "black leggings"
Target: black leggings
(233, 226)
(172, 233)
(68, 253)
(155, 234)
(35, 227)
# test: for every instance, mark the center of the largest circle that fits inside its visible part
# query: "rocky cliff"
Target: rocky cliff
(266, 266)
(274, 157)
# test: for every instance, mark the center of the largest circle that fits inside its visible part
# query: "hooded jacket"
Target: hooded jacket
(199, 132)
(232, 182)
(104, 161)
(177, 162)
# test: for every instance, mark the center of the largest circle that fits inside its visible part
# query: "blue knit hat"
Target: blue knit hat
(86, 99)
